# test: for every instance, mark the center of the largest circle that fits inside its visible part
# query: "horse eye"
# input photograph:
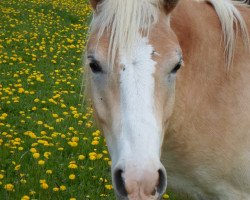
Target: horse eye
(95, 67)
(176, 68)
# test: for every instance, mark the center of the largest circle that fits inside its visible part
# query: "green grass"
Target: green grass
(41, 45)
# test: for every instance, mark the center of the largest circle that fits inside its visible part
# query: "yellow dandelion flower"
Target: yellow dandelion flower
(23, 181)
(25, 197)
(31, 134)
(75, 139)
(45, 186)
(72, 176)
(34, 108)
(55, 115)
(36, 155)
(48, 171)
(99, 156)
(55, 189)
(72, 166)
(1, 176)
(165, 196)
(4, 115)
(70, 40)
(9, 187)
(32, 192)
(43, 132)
(47, 154)
(62, 187)
(42, 181)
(76, 116)
(95, 142)
(81, 157)
(92, 157)
(73, 144)
(20, 148)
(17, 167)
(41, 162)
(109, 187)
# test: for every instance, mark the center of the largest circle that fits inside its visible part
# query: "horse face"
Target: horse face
(133, 102)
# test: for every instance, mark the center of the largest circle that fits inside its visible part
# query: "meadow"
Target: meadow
(49, 145)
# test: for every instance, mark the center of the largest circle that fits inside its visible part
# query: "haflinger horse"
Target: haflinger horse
(170, 85)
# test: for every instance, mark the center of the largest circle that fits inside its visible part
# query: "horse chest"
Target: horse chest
(207, 176)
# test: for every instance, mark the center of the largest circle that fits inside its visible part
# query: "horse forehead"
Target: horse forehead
(140, 52)
(161, 31)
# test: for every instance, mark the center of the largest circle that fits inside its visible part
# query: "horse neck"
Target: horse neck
(205, 82)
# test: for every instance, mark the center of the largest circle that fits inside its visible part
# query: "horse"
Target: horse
(169, 82)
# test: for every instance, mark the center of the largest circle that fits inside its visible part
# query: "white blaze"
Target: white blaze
(140, 136)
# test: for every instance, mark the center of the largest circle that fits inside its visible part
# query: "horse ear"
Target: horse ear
(169, 5)
(94, 3)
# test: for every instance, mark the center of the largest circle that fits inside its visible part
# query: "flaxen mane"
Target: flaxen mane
(125, 19)
(229, 17)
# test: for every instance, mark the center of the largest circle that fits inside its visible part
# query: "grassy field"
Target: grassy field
(49, 147)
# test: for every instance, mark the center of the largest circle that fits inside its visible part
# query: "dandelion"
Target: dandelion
(43, 132)
(56, 189)
(20, 148)
(9, 187)
(36, 155)
(48, 171)
(95, 142)
(1, 176)
(109, 187)
(17, 167)
(44, 186)
(99, 156)
(32, 135)
(81, 157)
(73, 144)
(93, 156)
(62, 187)
(165, 196)
(72, 176)
(41, 162)
(25, 197)
(75, 139)
(69, 40)
(55, 115)
(73, 166)
(47, 154)
(23, 181)
(32, 192)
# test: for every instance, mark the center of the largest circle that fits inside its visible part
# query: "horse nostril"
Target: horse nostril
(161, 187)
(119, 183)
(154, 192)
